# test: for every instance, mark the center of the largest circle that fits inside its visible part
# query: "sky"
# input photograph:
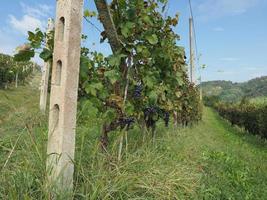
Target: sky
(231, 35)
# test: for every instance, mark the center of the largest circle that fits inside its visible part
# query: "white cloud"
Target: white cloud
(8, 44)
(38, 11)
(209, 9)
(26, 23)
(229, 59)
(34, 17)
(29, 18)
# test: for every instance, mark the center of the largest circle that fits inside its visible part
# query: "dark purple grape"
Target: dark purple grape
(166, 118)
(149, 114)
(137, 91)
(126, 122)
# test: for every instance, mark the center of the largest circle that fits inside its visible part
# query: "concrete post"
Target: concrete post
(63, 98)
(192, 58)
(45, 72)
(16, 79)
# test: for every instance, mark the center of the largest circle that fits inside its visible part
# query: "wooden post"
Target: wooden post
(64, 90)
(46, 72)
(192, 58)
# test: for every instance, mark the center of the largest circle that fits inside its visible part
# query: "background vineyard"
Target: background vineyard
(9, 69)
(242, 104)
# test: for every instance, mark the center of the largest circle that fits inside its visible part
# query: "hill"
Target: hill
(228, 91)
(210, 160)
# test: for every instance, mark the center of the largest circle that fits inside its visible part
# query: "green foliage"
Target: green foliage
(259, 100)
(149, 56)
(152, 39)
(227, 91)
(237, 103)
(24, 55)
(37, 41)
(9, 68)
(46, 54)
(88, 13)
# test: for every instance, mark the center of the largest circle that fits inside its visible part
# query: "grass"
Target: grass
(210, 160)
(19, 105)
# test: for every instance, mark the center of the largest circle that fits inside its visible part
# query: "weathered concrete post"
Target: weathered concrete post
(192, 55)
(46, 70)
(63, 99)
(16, 79)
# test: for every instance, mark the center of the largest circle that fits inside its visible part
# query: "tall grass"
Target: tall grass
(208, 161)
(149, 170)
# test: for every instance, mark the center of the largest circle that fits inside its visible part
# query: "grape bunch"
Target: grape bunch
(137, 91)
(126, 122)
(166, 118)
(151, 116)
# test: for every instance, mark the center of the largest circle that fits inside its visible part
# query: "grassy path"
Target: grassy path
(18, 105)
(234, 164)
(211, 160)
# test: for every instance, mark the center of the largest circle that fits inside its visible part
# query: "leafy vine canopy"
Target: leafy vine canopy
(148, 70)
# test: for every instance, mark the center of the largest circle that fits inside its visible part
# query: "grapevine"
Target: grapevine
(144, 80)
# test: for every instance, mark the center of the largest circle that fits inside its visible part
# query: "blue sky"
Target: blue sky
(231, 34)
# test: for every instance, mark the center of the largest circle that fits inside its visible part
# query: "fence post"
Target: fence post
(46, 71)
(16, 79)
(192, 55)
(63, 98)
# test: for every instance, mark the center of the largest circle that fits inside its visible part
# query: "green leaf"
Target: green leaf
(147, 20)
(112, 75)
(46, 55)
(24, 55)
(115, 60)
(109, 115)
(149, 81)
(126, 29)
(140, 48)
(90, 90)
(152, 39)
(93, 87)
(179, 78)
(89, 109)
(84, 68)
(36, 38)
(88, 13)
(131, 13)
(129, 108)
(31, 35)
(153, 96)
(98, 86)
